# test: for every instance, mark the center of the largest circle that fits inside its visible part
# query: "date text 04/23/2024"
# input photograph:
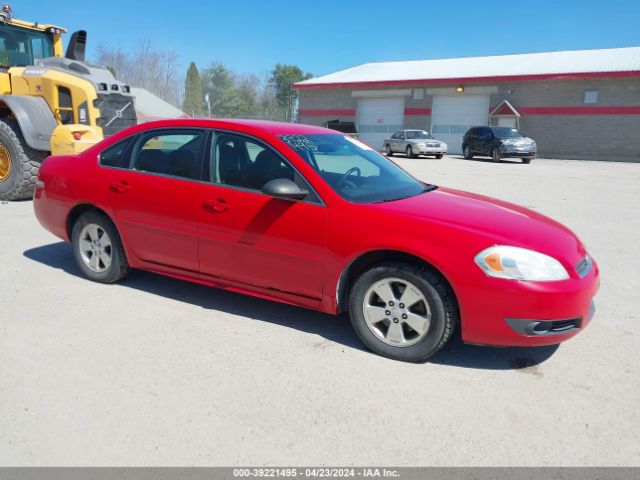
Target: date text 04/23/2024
(315, 473)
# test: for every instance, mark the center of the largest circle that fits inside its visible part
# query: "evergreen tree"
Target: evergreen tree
(193, 99)
(282, 78)
(220, 84)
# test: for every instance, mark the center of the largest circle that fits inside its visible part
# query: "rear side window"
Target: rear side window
(175, 153)
(116, 155)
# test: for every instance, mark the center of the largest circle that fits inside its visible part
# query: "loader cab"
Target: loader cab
(22, 47)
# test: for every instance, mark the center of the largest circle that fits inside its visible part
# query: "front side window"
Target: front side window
(174, 153)
(237, 161)
(354, 170)
(22, 47)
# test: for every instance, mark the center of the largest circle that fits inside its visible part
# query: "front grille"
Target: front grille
(584, 266)
(117, 112)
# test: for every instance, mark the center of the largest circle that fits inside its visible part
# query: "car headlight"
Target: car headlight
(516, 263)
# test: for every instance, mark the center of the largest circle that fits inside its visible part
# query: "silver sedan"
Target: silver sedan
(413, 143)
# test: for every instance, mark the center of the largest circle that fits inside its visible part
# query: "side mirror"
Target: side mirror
(285, 189)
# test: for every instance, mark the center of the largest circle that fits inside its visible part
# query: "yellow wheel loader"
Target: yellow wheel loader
(51, 103)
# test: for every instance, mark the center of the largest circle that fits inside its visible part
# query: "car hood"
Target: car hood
(521, 139)
(497, 221)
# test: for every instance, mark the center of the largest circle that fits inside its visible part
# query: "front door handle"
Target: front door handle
(216, 206)
(120, 187)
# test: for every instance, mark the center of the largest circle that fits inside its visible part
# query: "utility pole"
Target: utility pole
(206, 99)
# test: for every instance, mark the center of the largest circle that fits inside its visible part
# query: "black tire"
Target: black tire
(119, 267)
(409, 152)
(24, 163)
(495, 155)
(527, 160)
(388, 150)
(439, 156)
(466, 151)
(444, 313)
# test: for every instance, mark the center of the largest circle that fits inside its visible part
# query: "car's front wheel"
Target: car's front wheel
(495, 155)
(388, 150)
(402, 311)
(410, 152)
(439, 156)
(97, 248)
(527, 160)
(467, 152)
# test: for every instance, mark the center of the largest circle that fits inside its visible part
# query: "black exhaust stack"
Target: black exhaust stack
(76, 48)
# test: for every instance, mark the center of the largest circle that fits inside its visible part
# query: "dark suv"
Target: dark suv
(498, 143)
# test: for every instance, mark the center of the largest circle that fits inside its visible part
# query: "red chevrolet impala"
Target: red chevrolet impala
(312, 217)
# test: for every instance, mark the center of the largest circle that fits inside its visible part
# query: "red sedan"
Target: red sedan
(312, 217)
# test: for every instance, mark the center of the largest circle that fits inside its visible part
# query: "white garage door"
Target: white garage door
(452, 116)
(378, 118)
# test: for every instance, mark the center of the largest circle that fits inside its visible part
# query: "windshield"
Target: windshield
(20, 47)
(354, 170)
(505, 132)
(416, 134)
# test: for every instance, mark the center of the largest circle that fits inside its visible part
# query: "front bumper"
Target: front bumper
(507, 151)
(513, 313)
(429, 150)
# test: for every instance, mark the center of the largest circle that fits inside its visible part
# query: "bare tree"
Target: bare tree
(267, 99)
(156, 71)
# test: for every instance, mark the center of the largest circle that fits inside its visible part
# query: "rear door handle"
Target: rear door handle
(216, 206)
(120, 187)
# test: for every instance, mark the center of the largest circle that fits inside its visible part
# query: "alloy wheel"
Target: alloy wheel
(95, 247)
(397, 312)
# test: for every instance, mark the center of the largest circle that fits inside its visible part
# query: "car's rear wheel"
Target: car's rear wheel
(467, 152)
(97, 248)
(410, 152)
(527, 160)
(388, 150)
(439, 156)
(495, 155)
(402, 311)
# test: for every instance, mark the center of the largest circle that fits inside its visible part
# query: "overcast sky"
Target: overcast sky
(323, 36)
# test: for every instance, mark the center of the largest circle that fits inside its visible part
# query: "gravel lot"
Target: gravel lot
(157, 371)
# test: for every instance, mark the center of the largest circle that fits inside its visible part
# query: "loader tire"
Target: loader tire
(19, 163)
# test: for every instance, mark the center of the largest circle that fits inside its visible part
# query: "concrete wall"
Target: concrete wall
(592, 136)
(587, 136)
